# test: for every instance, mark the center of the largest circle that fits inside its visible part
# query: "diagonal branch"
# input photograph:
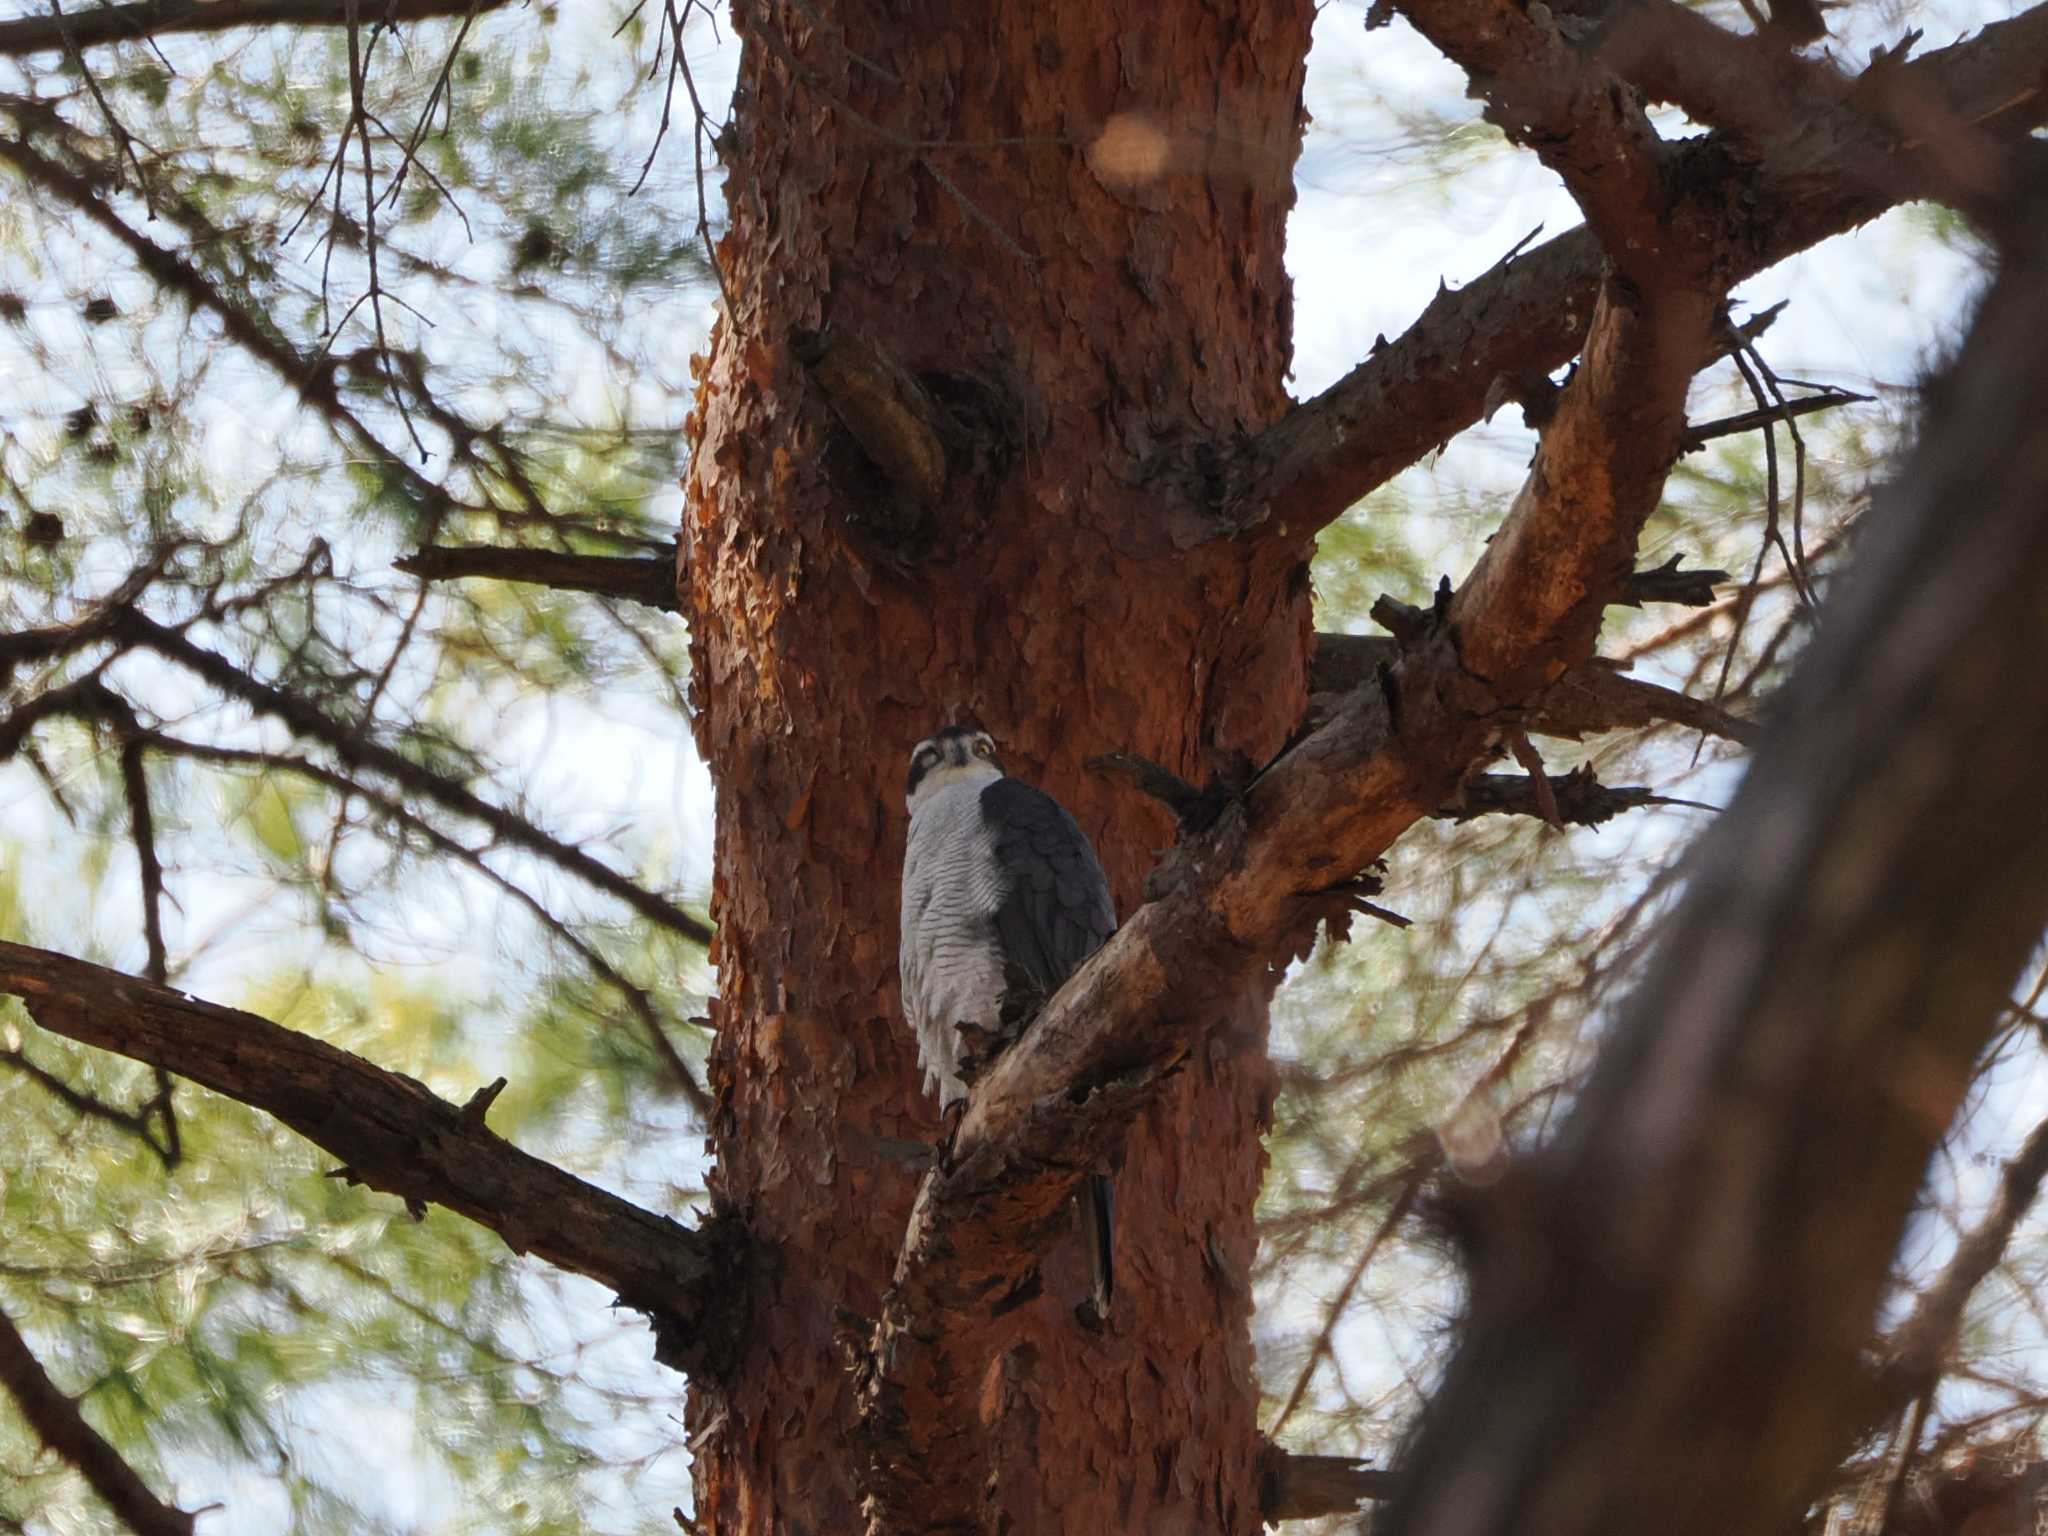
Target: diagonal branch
(401, 817)
(395, 1135)
(1918, 1346)
(91, 698)
(1530, 313)
(359, 750)
(158, 18)
(253, 333)
(60, 1426)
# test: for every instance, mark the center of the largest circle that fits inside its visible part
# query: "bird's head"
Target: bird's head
(958, 754)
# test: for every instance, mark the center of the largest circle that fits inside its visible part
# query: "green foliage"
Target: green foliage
(243, 454)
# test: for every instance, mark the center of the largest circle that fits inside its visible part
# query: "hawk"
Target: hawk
(1003, 898)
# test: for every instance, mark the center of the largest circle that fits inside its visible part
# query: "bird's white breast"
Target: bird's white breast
(951, 963)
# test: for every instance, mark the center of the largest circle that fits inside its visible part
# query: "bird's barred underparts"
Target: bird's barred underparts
(1003, 899)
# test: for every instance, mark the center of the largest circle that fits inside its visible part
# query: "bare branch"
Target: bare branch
(1577, 799)
(313, 378)
(142, 831)
(643, 579)
(1700, 434)
(159, 18)
(135, 1122)
(394, 1135)
(1339, 1305)
(60, 1426)
(1594, 698)
(1918, 1346)
(1531, 313)
(1668, 583)
(399, 815)
(1309, 1487)
(1896, 134)
(354, 746)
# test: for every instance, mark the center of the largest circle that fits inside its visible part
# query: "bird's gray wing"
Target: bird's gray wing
(1056, 912)
(1056, 909)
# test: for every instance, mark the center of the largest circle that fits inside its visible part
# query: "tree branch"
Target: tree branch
(1531, 312)
(1308, 1487)
(1896, 136)
(401, 816)
(1550, 97)
(313, 378)
(394, 1135)
(1918, 1346)
(1590, 699)
(1577, 799)
(357, 748)
(646, 579)
(159, 18)
(1670, 1305)
(56, 1421)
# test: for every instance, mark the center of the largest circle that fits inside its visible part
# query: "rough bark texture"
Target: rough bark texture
(1093, 283)
(1672, 1304)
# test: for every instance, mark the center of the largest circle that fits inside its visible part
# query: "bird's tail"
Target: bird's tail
(1097, 1197)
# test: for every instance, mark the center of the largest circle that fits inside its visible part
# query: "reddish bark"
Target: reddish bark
(1079, 318)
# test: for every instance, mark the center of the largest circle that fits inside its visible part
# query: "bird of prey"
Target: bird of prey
(1003, 898)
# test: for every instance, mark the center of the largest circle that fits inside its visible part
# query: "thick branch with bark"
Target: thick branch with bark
(1531, 313)
(56, 1421)
(395, 1135)
(1670, 1306)
(1900, 138)
(1549, 97)
(1576, 799)
(157, 18)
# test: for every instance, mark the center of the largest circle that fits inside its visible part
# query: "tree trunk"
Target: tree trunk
(993, 279)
